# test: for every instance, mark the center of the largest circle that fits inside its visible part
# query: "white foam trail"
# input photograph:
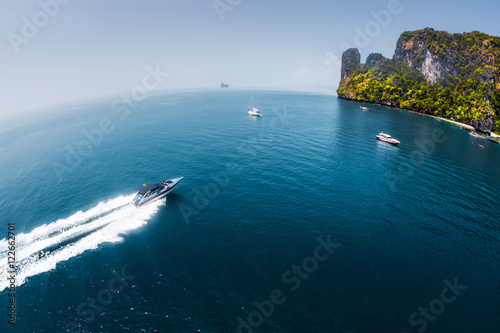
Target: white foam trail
(75, 219)
(108, 221)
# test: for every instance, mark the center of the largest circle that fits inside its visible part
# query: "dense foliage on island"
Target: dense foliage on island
(450, 75)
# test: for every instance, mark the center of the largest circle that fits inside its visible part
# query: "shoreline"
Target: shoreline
(454, 122)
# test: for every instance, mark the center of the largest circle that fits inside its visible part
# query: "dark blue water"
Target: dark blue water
(237, 247)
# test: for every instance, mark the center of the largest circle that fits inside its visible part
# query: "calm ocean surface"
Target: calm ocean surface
(415, 227)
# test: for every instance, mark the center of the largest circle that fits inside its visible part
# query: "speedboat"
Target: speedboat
(254, 112)
(364, 108)
(152, 192)
(387, 138)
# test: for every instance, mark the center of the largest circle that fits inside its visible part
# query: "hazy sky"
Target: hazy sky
(92, 48)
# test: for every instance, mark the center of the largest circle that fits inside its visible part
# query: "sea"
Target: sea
(297, 221)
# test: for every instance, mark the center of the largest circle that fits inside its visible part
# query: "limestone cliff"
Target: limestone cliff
(438, 54)
(451, 75)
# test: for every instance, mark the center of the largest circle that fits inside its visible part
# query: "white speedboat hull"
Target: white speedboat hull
(388, 140)
(153, 192)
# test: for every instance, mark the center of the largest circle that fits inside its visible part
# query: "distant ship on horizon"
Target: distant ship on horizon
(224, 85)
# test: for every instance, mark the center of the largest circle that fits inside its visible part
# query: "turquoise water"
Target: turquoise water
(257, 195)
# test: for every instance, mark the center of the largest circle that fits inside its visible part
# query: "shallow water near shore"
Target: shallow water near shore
(258, 198)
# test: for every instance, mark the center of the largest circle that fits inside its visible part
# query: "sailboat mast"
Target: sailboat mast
(251, 98)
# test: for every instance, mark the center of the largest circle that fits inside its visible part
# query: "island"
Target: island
(451, 76)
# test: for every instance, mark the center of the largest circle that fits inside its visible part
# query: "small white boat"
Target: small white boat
(364, 108)
(253, 111)
(387, 138)
(476, 135)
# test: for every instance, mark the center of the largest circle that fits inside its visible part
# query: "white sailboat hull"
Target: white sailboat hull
(255, 112)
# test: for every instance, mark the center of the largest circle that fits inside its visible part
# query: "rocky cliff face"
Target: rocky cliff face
(415, 54)
(437, 54)
(485, 124)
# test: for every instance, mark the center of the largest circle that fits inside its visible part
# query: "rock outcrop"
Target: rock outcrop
(351, 62)
(485, 124)
(373, 59)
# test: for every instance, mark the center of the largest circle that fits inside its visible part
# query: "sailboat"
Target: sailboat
(253, 111)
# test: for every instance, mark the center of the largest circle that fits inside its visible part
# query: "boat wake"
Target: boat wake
(40, 250)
